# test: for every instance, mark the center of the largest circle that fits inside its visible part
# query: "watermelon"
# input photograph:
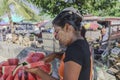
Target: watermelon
(16, 77)
(11, 70)
(38, 78)
(19, 74)
(13, 61)
(35, 64)
(31, 77)
(47, 68)
(3, 77)
(41, 55)
(0, 74)
(10, 77)
(23, 76)
(4, 63)
(6, 70)
(1, 70)
(17, 70)
(29, 65)
(34, 57)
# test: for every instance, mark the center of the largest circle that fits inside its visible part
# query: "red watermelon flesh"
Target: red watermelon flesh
(30, 77)
(30, 54)
(34, 57)
(41, 55)
(4, 63)
(18, 70)
(47, 68)
(3, 77)
(6, 70)
(1, 70)
(23, 76)
(13, 61)
(30, 65)
(38, 78)
(16, 77)
(10, 77)
(0, 74)
(20, 75)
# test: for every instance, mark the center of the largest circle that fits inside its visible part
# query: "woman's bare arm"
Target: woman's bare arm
(52, 56)
(43, 75)
(71, 71)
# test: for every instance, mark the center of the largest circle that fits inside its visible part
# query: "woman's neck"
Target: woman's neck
(76, 38)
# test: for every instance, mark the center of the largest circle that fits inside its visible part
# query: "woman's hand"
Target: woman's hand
(43, 75)
(33, 70)
(52, 56)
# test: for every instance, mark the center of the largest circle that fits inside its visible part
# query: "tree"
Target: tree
(102, 7)
(19, 7)
(53, 7)
(95, 7)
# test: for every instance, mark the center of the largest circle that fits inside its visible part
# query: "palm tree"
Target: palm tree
(19, 8)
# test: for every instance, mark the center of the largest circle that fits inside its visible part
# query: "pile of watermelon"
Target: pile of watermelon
(14, 69)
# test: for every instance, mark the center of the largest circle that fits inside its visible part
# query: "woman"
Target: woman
(77, 63)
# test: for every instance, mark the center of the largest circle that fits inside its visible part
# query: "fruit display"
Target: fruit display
(14, 69)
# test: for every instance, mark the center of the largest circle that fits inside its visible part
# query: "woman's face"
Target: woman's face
(103, 31)
(63, 35)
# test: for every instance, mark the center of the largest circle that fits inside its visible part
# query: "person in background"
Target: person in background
(77, 61)
(104, 38)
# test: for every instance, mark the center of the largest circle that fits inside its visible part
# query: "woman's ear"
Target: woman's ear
(68, 27)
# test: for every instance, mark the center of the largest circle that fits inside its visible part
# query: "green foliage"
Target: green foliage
(53, 7)
(103, 7)
(95, 7)
(20, 9)
(3, 7)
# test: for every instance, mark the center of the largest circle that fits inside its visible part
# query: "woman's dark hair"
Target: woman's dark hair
(68, 15)
(83, 31)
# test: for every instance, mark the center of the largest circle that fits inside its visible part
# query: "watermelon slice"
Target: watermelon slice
(23, 76)
(0, 74)
(41, 55)
(17, 77)
(10, 77)
(3, 77)
(31, 77)
(13, 61)
(38, 78)
(17, 69)
(35, 64)
(1, 70)
(29, 65)
(6, 70)
(35, 57)
(4, 63)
